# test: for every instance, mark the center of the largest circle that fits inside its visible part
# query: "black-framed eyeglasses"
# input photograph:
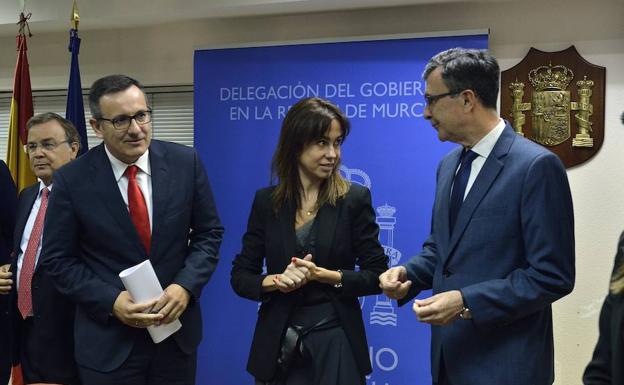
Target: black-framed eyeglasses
(123, 122)
(30, 148)
(431, 99)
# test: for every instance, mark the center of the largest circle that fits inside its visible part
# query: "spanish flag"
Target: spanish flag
(21, 111)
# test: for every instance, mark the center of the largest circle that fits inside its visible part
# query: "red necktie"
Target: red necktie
(138, 208)
(24, 293)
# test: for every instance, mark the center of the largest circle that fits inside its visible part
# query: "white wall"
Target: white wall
(164, 55)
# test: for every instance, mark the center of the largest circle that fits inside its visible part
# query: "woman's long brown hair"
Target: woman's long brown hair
(305, 123)
(617, 281)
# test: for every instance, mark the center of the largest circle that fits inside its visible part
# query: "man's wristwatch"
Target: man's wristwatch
(465, 313)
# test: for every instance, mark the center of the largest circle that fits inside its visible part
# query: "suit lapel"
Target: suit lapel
(326, 220)
(160, 191)
(490, 170)
(25, 203)
(107, 190)
(446, 181)
(286, 218)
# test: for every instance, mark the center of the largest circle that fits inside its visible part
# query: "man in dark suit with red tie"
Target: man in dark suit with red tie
(42, 319)
(8, 200)
(127, 200)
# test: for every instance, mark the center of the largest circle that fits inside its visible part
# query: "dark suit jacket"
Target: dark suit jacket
(89, 238)
(607, 364)
(8, 203)
(511, 255)
(346, 235)
(53, 314)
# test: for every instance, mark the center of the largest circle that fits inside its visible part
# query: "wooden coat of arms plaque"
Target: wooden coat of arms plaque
(557, 100)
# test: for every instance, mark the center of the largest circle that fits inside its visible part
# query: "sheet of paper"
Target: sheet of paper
(143, 285)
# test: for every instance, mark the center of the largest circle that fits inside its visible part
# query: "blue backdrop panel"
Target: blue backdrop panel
(241, 97)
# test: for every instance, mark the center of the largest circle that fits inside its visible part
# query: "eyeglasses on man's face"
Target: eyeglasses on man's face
(123, 122)
(47, 145)
(431, 99)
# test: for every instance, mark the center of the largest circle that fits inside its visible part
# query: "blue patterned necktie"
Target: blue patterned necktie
(459, 185)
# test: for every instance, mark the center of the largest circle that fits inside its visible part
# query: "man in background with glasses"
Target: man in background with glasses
(501, 247)
(42, 320)
(127, 200)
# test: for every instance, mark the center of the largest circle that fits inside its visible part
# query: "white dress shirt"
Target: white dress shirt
(144, 179)
(28, 229)
(483, 149)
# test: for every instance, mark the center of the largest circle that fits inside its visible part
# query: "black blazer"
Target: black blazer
(53, 314)
(89, 238)
(607, 364)
(346, 235)
(8, 203)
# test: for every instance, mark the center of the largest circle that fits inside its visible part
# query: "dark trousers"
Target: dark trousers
(443, 378)
(5, 360)
(327, 357)
(148, 364)
(32, 369)
(330, 362)
(5, 353)
(5, 357)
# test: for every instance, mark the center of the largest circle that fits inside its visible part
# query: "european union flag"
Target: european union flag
(75, 106)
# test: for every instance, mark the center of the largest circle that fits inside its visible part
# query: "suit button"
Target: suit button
(447, 273)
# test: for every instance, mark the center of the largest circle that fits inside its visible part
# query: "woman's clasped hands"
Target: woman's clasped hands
(298, 272)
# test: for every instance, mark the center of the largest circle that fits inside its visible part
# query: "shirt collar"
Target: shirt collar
(485, 146)
(42, 186)
(119, 167)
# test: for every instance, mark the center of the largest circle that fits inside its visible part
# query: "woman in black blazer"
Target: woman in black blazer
(311, 230)
(607, 364)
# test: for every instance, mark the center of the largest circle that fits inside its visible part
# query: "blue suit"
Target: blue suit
(511, 254)
(89, 238)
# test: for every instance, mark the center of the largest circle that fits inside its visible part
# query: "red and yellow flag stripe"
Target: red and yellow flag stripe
(21, 111)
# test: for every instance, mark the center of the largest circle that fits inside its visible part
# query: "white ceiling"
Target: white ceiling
(54, 15)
